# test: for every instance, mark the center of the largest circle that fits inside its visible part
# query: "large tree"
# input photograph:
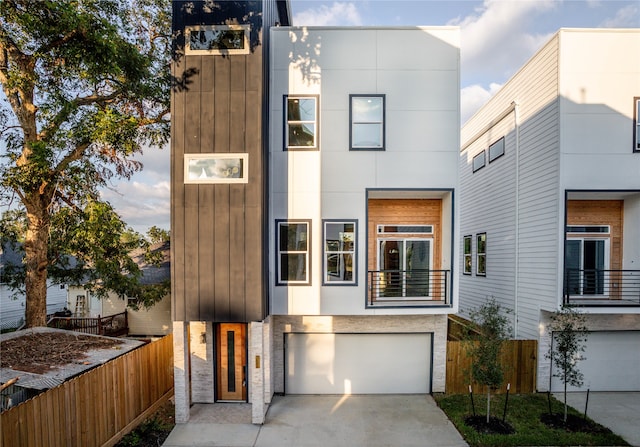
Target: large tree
(86, 87)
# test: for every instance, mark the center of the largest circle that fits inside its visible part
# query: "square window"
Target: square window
(367, 114)
(481, 254)
(478, 161)
(467, 255)
(216, 168)
(293, 252)
(301, 130)
(496, 150)
(217, 39)
(340, 252)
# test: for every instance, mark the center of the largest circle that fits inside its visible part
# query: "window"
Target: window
(636, 124)
(216, 168)
(496, 150)
(293, 242)
(366, 114)
(467, 255)
(415, 229)
(478, 161)
(586, 259)
(301, 130)
(340, 252)
(481, 254)
(217, 39)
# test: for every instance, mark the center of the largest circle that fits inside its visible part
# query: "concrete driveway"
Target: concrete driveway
(618, 411)
(320, 421)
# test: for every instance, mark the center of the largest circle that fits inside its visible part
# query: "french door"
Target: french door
(404, 265)
(586, 260)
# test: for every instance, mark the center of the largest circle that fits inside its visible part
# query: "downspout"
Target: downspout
(516, 118)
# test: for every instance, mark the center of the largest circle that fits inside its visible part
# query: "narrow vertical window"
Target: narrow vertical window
(293, 242)
(301, 129)
(636, 124)
(481, 254)
(367, 113)
(339, 252)
(467, 255)
(496, 150)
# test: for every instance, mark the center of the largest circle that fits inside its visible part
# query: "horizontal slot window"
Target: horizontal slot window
(588, 229)
(413, 229)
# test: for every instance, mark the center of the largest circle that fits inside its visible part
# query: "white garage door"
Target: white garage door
(358, 363)
(612, 362)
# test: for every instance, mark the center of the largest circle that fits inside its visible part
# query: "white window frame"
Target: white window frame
(280, 253)
(217, 51)
(211, 162)
(583, 237)
(315, 122)
(403, 267)
(636, 124)
(328, 278)
(354, 122)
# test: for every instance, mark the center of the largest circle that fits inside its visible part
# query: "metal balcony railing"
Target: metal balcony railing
(594, 287)
(408, 288)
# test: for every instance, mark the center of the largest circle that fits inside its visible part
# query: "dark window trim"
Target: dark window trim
(470, 254)
(355, 254)
(384, 121)
(285, 130)
(278, 282)
(478, 254)
(494, 158)
(636, 124)
(473, 161)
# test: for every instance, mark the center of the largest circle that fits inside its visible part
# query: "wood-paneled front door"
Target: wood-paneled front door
(231, 359)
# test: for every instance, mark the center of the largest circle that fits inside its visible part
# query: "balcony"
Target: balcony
(602, 288)
(408, 288)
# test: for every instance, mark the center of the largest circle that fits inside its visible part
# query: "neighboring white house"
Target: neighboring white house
(153, 321)
(12, 302)
(550, 200)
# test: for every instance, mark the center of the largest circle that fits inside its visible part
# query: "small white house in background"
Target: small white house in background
(550, 200)
(12, 303)
(154, 321)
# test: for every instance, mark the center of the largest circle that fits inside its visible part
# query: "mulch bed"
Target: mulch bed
(495, 425)
(40, 352)
(574, 423)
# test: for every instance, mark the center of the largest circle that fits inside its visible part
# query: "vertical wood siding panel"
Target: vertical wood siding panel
(222, 255)
(177, 197)
(206, 267)
(237, 264)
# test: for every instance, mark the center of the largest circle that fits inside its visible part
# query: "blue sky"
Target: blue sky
(497, 38)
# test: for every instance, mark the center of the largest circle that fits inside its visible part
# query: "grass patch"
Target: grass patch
(524, 414)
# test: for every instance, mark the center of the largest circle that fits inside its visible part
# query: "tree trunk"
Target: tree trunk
(488, 403)
(36, 262)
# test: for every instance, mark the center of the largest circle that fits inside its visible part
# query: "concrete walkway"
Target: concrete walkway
(618, 411)
(320, 421)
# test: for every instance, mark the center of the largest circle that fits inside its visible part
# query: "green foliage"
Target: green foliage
(156, 234)
(86, 86)
(568, 330)
(525, 411)
(494, 328)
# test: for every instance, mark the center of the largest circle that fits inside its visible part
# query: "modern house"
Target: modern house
(550, 200)
(314, 206)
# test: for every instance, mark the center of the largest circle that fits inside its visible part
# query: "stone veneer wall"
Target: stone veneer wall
(436, 324)
(202, 362)
(181, 373)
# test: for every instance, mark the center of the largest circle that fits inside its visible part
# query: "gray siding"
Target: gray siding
(516, 198)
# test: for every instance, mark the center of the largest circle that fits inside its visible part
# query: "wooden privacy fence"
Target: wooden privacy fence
(519, 361)
(98, 407)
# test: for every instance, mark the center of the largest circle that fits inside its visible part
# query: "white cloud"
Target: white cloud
(473, 97)
(495, 41)
(627, 17)
(338, 14)
(142, 205)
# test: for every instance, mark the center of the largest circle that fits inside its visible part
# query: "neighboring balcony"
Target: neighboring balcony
(602, 288)
(408, 288)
